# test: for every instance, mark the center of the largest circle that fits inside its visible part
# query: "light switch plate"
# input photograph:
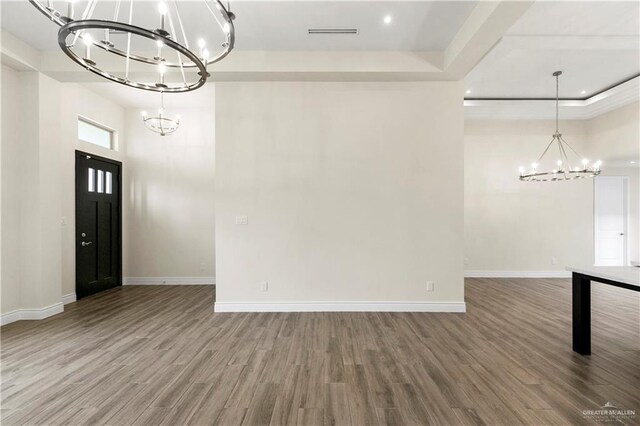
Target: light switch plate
(242, 220)
(429, 285)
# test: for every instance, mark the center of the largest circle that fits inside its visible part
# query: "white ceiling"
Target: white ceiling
(605, 18)
(145, 100)
(596, 44)
(279, 25)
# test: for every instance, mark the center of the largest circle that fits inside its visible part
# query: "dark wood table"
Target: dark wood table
(620, 276)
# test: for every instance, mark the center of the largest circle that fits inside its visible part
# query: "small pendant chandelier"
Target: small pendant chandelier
(568, 164)
(160, 123)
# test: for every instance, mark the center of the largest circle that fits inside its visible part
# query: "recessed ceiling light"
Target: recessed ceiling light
(632, 162)
(584, 92)
(468, 91)
(387, 19)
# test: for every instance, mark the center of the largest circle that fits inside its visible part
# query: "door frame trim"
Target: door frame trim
(625, 186)
(118, 164)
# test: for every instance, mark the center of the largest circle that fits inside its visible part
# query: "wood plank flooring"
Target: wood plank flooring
(159, 355)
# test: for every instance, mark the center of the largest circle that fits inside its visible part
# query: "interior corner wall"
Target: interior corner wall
(353, 192)
(514, 226)
(169, 200)
(31, 277)
(12, 97)
(616, 135)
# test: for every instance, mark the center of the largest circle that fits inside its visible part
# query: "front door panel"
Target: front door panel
(98, 242)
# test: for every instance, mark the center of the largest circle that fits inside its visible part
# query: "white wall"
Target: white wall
(353, 193)
(31, 276)
(513, 226)
(169, 199)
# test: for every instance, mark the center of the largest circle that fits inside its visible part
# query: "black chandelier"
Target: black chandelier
(99, 35)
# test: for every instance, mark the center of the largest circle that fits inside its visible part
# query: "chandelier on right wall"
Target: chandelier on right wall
(566, 162)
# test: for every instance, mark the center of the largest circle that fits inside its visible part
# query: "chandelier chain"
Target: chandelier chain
(557, 100)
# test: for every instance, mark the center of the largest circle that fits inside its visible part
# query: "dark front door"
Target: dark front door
(98, 226)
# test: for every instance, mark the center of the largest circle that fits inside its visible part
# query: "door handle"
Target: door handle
(84, 244)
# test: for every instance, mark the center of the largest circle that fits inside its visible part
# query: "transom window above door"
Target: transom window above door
(91, 132)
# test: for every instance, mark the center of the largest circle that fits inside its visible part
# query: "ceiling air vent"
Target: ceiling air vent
(333, 31)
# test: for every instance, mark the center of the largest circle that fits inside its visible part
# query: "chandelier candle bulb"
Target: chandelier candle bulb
(70, 9)
(162, 8)
(159, 57)
(88, 41)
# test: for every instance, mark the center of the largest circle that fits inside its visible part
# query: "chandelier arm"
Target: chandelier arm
(116, 12)
(569, 145)
(547, 148)
(128, 60)
(184, 34)
(84, 14)
(93, 8)
(173, 31)
(214, 16)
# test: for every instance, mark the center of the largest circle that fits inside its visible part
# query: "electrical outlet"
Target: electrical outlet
(242, 220)
(554, 260)
(429, 285)
(264, 286)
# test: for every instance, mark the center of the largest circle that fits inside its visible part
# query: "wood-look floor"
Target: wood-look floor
(159, 355)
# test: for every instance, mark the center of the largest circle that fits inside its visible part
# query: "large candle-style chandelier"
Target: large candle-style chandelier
(568, 164)
(139, 44)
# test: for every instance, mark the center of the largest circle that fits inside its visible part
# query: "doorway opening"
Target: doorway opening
(98, 224)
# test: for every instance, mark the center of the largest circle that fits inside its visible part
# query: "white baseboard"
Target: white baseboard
(517, 274)
(68, 298)
(340, 307)
(31, 314)
(168, 280)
